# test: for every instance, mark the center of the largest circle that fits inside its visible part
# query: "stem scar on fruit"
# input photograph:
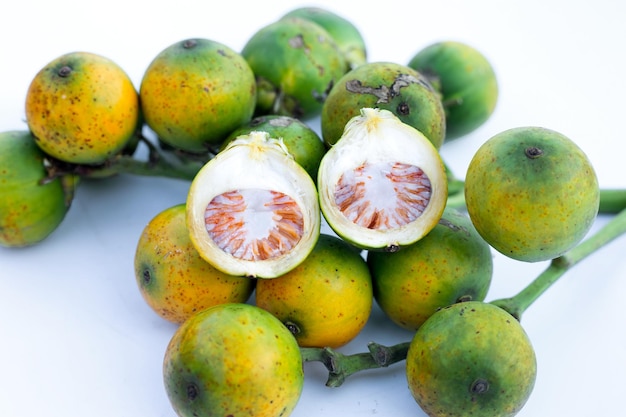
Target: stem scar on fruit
(533, 152)
(479, 386)
(65, 71)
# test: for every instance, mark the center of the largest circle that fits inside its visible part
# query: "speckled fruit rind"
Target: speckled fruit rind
(30, 210)
(345, 33)
(296, 62)
(233, 360)
(471, 359)
(82, 108)
(172, 277)
(302, 142)
(326, 300)
(385, 85)
(531, 193)
(451, 263)
(466, 80)
(195, 92)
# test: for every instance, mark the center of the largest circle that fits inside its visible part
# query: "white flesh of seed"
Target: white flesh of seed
(375, 138)
(257, 166)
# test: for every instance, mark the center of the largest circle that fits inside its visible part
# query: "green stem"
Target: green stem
(456, 199)
(163, 166)
(612, 200)
(455, 185)
(341, 366)
(456, 189)
(160, 163)
(517, 304)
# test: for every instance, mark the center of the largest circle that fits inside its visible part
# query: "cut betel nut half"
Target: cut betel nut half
(252, 210)
(383, 184)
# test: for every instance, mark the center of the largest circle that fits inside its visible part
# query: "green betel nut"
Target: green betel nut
(532, 193)
(451, 263)
(389, 86)
(346, 35)
(466, 80)
(32, 206)
(302, 142)
(296, 62)
(471, 359)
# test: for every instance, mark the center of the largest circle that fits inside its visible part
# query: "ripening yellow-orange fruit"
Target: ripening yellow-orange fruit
(82, 108)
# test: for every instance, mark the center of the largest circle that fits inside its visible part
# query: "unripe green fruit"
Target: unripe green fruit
(389, 86)
(471, 359)
(345, 34)
(31, 207)
(295, 62)
(466, 81)
(451, 263)
(532, 193)
(302, 142)
(233, 360)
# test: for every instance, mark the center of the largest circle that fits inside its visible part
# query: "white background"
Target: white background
(76, 338)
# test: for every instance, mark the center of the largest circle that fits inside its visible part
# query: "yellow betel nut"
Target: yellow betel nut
(195, 92)
(172, 277)
(82, 108)
(326, 300)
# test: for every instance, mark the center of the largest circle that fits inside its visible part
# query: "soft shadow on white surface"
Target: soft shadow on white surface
(77, 339)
